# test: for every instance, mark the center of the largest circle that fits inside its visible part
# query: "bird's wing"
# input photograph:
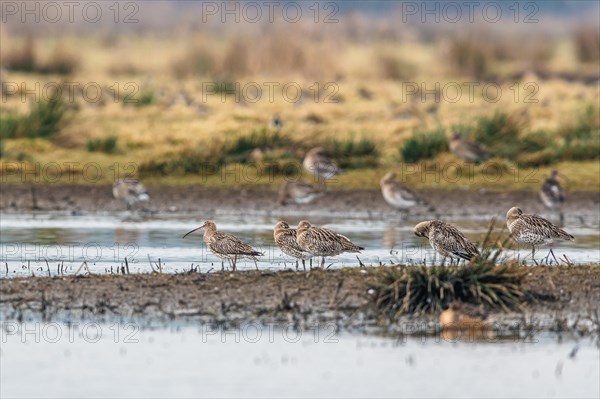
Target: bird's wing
(455, 242)
(404, 192)
(543, 227)
(229, 244)
(340, 241)
(325, 165)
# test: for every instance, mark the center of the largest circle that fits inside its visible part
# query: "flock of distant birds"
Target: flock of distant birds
(307, 241)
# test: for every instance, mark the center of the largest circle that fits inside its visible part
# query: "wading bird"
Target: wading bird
(533, 230)
(319, 165)
(399, 196)
(130, 190)
(447, 240)
(285, 238)
(300, 192)
(319, 241)
(552, 194)
(225, 245)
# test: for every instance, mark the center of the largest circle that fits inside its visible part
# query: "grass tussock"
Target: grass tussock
(422, 289)
(25, 59)
(587, 43)
(353, 153)
(582, 139)
(482, 54)
(43, 120)
(140, 99)
(424, 145)
(107, 145)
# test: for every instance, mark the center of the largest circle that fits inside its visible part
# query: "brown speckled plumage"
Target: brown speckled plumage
(533, 229)
(225, 245)
(285, 238)
(446, 239)
(551, 193)
(323, 242)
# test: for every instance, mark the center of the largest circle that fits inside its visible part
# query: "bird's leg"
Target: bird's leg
(552, 252)
(255, 263)
(230, 264)
(222, 265)
(561, 217)
(322, 262)
(234, 263)
(533, 253)
(304, 264)
(310, 263)
(296, 264)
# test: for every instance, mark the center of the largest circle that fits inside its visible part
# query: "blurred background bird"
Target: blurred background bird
(300, 192)
(130, 191)
(318, 164)
(399, 196)
(467, 150)
(552, 194)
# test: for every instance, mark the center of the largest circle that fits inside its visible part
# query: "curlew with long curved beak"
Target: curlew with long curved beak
(225, 245)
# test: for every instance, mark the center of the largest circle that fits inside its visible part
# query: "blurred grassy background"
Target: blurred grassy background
(178, 102)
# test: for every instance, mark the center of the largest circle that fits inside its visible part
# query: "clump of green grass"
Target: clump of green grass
(353, 153)
(141, 99)
(107, 145)
(500, 133)
(43, 120)
(239, 149)
(188, 161)
(424, 145)
(582, 140)
(422, 289)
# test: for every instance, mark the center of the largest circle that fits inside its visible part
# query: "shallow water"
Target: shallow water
(110, 360)
(105, 240)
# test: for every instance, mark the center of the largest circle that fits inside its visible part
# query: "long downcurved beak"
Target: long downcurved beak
(191, 231)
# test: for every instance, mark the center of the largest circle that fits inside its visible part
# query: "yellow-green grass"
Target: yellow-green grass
(161, 132)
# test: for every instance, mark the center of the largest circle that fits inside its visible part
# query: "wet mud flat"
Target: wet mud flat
(559, 299)
(214, 201)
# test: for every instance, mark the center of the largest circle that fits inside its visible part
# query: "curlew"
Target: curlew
(285, 238)
(319, 241)
(130, 190)
(399, 196)
(319, 165)
(468, 150)
(447, 240)
(551, 193)
(300, 192)
(225, 245)
(533, 230)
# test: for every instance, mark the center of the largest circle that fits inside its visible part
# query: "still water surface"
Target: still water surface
(105, 240)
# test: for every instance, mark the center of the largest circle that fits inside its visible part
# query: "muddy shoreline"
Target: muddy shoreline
(215, 201)
(566, 299)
